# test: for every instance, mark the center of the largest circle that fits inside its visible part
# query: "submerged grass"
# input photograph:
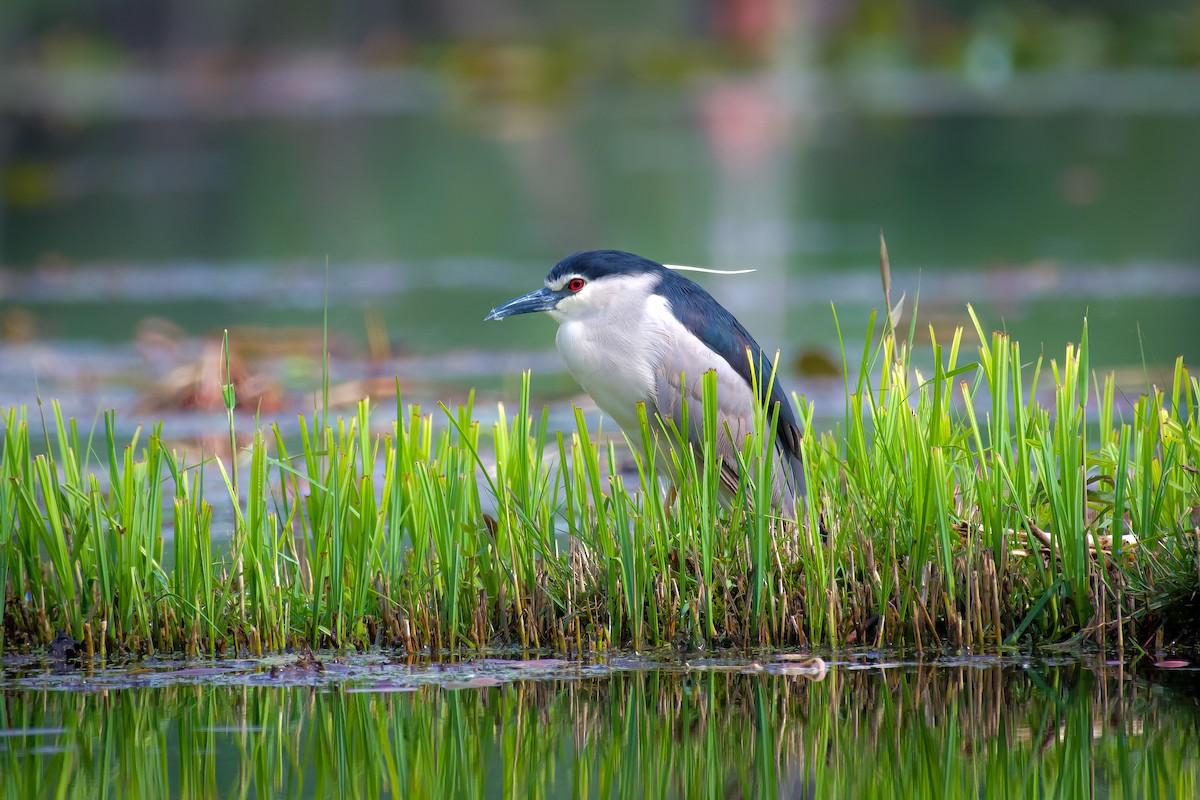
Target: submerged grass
(965, 503)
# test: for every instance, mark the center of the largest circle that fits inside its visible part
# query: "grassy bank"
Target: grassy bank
(993, 499)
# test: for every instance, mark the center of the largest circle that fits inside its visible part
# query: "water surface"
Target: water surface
(376, 725)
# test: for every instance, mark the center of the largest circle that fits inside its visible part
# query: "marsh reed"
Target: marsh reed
(975, 502)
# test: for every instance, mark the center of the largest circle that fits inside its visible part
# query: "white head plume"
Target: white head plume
(681, 268)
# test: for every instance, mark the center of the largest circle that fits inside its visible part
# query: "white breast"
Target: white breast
(611, 366)
(614, 353)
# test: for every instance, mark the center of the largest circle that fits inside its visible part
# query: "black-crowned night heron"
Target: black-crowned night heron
(633, 331)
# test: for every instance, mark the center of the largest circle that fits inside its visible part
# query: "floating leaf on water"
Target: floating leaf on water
(484, 681)
(808, 666)
(537, 663)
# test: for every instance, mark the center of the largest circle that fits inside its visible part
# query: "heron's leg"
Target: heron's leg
(669, 500)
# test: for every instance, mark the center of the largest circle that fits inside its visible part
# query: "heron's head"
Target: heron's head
(589, 283)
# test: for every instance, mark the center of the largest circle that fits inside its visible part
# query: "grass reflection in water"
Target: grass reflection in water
(980, 728)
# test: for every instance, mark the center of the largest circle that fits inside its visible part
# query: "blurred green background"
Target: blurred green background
(198, 164)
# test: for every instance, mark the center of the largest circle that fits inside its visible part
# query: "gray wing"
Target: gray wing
(679, 379)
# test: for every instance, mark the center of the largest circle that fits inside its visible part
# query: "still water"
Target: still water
(856, 725)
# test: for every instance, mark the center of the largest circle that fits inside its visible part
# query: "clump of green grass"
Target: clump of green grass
(987, 501)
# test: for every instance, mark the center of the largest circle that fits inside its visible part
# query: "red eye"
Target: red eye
(575, 284)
